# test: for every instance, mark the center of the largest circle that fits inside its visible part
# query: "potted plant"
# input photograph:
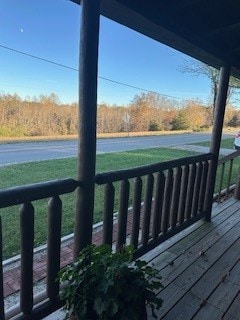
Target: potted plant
(104, 285)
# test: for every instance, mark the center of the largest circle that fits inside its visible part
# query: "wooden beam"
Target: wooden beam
(224, 29)
(88, 68)
(235, 49)
(178, 5)
(216, 137)
(184, 4)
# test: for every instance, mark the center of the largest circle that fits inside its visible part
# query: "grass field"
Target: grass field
(28, 173)
(63, 168)
(225, 143)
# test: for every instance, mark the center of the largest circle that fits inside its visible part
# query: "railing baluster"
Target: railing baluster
(137, 199)
(53, 246)
(229, 158)
(164, 215)
(108, 213)
(122, 215)
(25, 195)
(167, 201)
(2, 314)
(182, 199)
(158, 204)
(176, 195)
(221, 182)
(190, 190)
(202, 193)
(237, 188)
(27, 240)
(229, 176)
(147, 209)
(197, 187)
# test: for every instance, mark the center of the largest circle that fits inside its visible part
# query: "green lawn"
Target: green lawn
(228, 144)
(63, 168)
(22, 174)
(225, 143)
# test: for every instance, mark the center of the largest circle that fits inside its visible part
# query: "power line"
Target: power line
(38, 58)
(74, 69)
(138, 88)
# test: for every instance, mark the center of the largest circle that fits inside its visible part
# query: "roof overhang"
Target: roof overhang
(205, 30)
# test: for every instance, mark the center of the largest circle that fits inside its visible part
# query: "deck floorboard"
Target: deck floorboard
(201, 269)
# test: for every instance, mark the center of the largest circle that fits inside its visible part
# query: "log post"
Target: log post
(216, 137)
(88, 69)
(237, 188)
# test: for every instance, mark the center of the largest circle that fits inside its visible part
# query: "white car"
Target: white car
(237, 141)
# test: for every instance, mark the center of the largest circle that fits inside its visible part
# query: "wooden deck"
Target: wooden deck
(200, 268)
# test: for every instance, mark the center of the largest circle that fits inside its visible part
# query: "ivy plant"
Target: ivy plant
(104, 285)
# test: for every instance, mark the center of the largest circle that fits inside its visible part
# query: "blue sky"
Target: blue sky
(50, 29)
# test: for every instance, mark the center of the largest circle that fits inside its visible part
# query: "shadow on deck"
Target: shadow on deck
(200, 268)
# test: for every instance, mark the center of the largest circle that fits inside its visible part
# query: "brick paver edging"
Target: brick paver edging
(11, 277)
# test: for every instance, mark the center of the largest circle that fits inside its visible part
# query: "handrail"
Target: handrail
(112, 176)
(166, 197)
(169, 213)
(24, 196)
(227, 183)
(36, 191)
(229, 157)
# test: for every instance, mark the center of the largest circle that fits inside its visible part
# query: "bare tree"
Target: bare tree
(197, 68)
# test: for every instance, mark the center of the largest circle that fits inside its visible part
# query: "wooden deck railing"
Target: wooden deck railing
(174, 199)
(228, 169)
(49, 300)
(161, 199)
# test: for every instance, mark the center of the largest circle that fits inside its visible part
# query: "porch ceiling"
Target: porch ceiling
(206, 30)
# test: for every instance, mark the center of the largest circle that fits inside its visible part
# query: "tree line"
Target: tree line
(42, 116)
(46, 115)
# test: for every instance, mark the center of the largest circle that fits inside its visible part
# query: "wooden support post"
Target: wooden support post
(88, 68)
(216, 137)
(2, 313)
(237, 188)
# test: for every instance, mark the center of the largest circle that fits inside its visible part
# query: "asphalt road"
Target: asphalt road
(33, 151)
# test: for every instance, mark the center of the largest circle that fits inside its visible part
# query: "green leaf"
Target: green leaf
(110, 283)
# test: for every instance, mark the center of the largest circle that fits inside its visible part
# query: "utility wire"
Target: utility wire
(74, 69)
(38, 58)
(138, 88)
